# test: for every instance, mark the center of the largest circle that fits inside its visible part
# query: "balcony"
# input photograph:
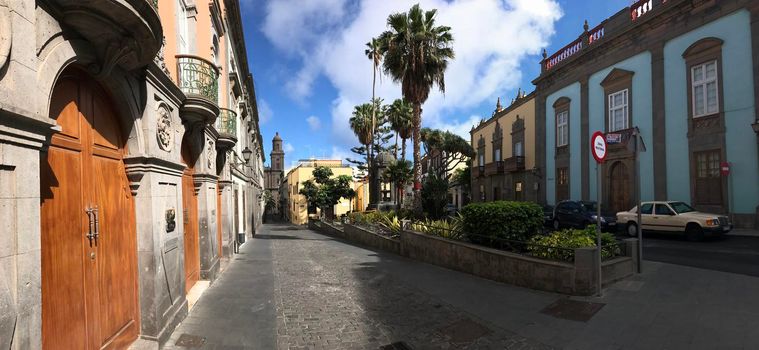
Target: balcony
(478, 171)
(514, 164)
(198, 76)
(493, 168)
(199, 80)
(126, 33)
(226, 125)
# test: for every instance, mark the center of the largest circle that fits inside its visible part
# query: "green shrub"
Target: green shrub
(441, 228)
(517, 221)
(572, 239)
(391, 223)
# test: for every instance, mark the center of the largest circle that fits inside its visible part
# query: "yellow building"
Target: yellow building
(504, 145)
(298, 206)
(362, 194)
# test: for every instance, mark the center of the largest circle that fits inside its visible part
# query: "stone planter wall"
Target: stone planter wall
(577, 278)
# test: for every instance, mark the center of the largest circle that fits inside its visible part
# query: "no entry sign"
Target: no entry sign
(598, 146)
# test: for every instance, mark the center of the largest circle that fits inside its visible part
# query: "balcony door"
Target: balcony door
(89, 247)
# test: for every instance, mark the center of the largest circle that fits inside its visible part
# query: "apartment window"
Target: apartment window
(482, 193)
(518, 152)
(481, 159)
(496, 194)
(497, 154)
(708, 186)
(562, 128)
(618, 117)
(704, 89)
(182, 36)
(562, 184)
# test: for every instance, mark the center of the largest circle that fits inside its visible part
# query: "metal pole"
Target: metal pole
(637, 198)
(598, 227)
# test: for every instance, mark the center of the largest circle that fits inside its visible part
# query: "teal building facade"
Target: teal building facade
(684, 75)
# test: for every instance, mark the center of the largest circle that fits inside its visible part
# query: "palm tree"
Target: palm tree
(400, 114)
(361, 124)
(373, 52)
(416, 56)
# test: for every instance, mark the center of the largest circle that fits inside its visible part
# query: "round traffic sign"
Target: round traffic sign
(598, 146)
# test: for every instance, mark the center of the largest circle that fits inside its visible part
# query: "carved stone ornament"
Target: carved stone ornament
(159, 60)
(164, 132)
(211, 154)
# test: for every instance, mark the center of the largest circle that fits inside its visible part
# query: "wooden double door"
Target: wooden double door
(88, 242)
(191, 223)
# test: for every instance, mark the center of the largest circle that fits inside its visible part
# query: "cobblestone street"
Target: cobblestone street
(327, 294)
(292, 288)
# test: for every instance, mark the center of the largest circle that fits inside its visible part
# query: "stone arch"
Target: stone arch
(125, 91)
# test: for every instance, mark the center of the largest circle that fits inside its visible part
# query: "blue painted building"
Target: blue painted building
(682, 73)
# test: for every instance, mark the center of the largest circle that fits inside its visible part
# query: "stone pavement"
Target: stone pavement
(292, 288)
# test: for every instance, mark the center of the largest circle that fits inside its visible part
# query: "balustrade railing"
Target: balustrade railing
(637, 10)
(641, 8)
(226, 123)
(198, 76)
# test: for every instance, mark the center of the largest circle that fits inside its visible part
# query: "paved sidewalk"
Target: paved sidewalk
(296, 289)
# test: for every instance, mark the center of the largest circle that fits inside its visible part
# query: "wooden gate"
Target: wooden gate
(89, 246)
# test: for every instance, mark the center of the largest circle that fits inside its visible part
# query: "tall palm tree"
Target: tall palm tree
(373, 52)
(361, 124)
(416, 56)
(400, 114)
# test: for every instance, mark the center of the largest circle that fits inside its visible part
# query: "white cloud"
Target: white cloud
(288, 148)
(314, 122)
(492, 38)
(264, 111)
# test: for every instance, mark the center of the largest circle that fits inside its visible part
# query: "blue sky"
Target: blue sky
(307, 60)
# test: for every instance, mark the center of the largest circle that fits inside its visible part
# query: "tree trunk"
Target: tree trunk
(372, 180)
(403, 149)
(396, 146)
(417, 125)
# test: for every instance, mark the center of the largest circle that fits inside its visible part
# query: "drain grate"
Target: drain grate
(574, 310)
(397, 346)
(190, 341)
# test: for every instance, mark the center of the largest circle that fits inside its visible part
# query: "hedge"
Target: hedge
(517, 221)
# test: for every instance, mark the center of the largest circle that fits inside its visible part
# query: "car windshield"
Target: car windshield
(681, 207)
(589, 206)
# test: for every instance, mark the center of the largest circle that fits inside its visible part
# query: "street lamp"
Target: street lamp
(246, 153)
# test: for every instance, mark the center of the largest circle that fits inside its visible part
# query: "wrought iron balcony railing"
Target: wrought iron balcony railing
(198, 76)
(226, 123)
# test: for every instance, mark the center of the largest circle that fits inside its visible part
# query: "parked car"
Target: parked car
(580, 214)
(674, 217)
(547, 215)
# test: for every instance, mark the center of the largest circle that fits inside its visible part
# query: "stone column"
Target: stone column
(585, 136)
(227, 217)
(155, 176)
(659, 150)
(21, 140)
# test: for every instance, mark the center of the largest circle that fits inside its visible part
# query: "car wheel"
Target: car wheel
(632, 229)
(556, 224)
(694, 233)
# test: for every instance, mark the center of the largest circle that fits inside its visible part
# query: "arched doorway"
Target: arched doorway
(88, 243)
(619, 187)
(190, 211)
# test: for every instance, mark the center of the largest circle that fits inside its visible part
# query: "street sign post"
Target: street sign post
(598, 148)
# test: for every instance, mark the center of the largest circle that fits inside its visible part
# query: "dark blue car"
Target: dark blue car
(580, 214)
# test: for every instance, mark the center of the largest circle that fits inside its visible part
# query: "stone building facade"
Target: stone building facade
(504, 165)
(130, 158)
(297, 204)
(274, 175)
(684, 73)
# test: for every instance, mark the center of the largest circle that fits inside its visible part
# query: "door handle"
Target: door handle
(97, 223)
(90, 224)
